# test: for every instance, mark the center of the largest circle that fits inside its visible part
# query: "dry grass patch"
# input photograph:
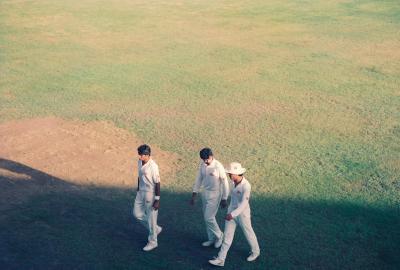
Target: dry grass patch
(96, 153)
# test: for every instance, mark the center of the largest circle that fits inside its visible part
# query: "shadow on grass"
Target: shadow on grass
(48, 223)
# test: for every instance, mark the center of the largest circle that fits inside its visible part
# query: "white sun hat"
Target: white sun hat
(235, 168)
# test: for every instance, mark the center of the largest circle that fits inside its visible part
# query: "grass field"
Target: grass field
(305, 94)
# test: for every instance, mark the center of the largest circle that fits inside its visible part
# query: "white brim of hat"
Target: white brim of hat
(237, 172)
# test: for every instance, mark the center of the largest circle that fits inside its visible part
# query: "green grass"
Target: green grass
(93, 229)
(304, 93)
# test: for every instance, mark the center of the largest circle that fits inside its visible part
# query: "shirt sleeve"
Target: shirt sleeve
(225, 184)
(244, 202)
(156, 173)
(138, 166)
(198, 182)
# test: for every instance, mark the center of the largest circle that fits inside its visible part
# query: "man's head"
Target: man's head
(144, 152)
(206, 155)
(235, 172)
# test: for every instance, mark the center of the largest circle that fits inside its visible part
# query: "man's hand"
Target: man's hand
(228, 217)
(193, 200)
(156, 204)
(223, 204)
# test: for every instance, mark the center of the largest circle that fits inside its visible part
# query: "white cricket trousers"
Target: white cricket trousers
(244, 221)
(210, 202)
(144, 212)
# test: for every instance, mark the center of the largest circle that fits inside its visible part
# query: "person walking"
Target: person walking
(212, 177)
(238, 214)
(147, 201)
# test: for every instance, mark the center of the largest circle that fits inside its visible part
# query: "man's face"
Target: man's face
(208, 160)
(234, 177)
(144, 158)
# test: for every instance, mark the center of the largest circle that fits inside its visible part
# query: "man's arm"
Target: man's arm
(157, 186)
(225, 186)
(157, 192)
(196, 187)
(138, 170)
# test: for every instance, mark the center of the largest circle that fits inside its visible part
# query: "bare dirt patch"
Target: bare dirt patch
(74, 152)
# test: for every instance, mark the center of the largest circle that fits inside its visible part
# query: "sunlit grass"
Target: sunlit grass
(304, 93)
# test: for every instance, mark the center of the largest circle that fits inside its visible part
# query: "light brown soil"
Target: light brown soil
(72, 152)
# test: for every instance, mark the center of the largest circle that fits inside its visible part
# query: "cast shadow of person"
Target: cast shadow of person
(50, 223)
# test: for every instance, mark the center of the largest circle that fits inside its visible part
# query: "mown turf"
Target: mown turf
(304, 93)
(92, 228)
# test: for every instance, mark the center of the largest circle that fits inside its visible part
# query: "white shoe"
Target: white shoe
(207, 243)
(252, 257)
(159, 230)
(218, 242)
(217, 262)
(150, 246)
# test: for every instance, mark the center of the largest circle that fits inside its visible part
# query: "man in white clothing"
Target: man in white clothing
(212, 178)
(238, 214)
(147, 199)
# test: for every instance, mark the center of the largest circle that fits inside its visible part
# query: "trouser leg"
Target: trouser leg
(151, 217)
(139, 209)
(211, 202)
(245, 224)
(152, 224)
(229, 232)
(144, 212)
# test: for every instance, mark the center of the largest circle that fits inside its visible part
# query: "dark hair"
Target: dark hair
(144, 149)
(205, 153)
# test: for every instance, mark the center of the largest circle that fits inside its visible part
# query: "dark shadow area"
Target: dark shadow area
(48, 223)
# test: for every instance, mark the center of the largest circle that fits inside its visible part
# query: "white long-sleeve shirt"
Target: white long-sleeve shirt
(149, 175)
(212, 178)
(240, 197)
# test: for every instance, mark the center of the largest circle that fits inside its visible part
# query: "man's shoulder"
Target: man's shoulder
(218, 164)
(153, 167)
(247, 184)
(153, 163)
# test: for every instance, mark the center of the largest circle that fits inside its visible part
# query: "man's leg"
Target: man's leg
(139, 211)
(245, 224)
(229, 232)
(151, 218)
(211, 202)
(151, 215)
(152, 225)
